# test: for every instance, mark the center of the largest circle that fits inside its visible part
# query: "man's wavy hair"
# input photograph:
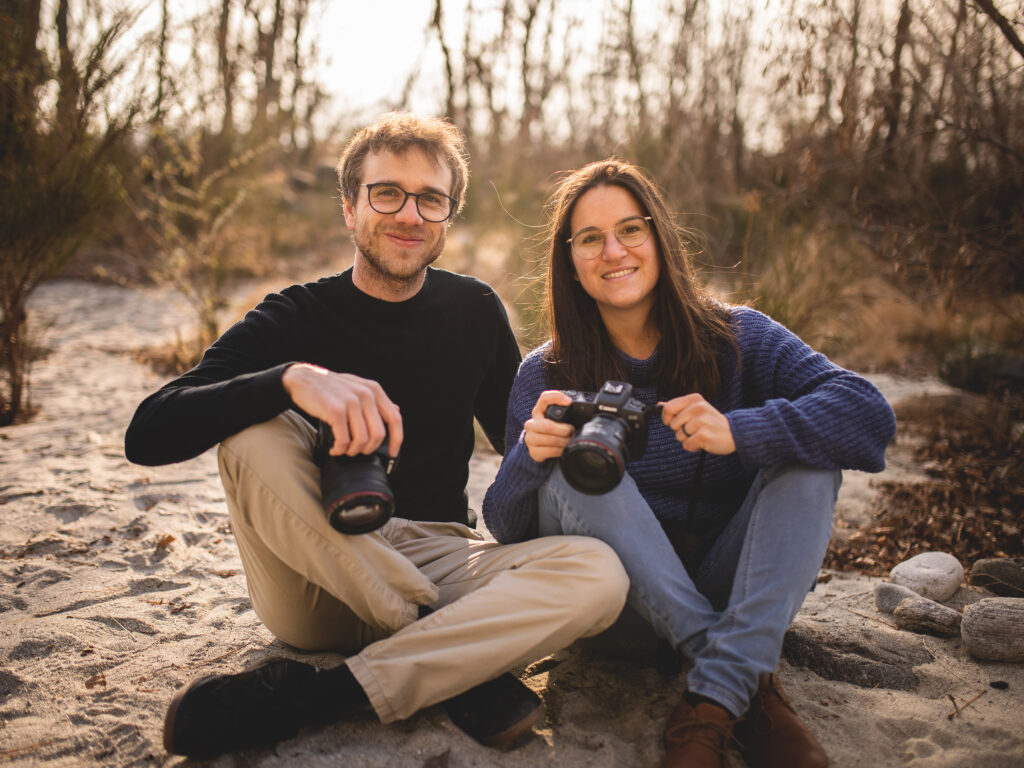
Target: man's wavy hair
(694, 328)
(397, 133)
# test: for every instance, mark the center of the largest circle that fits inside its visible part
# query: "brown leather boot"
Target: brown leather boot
(697, 737)
(771, 735)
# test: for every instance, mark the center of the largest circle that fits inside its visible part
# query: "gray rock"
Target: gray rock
(866, 657)
(1002, 575)
(919, 614)
(888, 596)
(993, 629)
(935, 575)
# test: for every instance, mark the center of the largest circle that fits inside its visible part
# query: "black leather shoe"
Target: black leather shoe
(258, 707)
(498, 712)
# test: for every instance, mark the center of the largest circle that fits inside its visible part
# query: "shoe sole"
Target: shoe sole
(516, 730)
(172, 713)
(172, 709)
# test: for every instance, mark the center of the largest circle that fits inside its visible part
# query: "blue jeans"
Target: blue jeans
(758, 571)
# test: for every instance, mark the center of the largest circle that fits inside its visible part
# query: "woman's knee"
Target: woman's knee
(806, 482)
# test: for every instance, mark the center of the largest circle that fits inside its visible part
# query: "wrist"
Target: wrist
(296, 373)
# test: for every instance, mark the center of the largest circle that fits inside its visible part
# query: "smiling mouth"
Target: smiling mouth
(618, 273)
(402, 237)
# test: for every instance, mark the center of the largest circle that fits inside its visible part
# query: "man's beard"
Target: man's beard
(393, 272)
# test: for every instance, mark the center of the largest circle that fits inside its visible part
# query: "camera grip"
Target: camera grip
(556, 412)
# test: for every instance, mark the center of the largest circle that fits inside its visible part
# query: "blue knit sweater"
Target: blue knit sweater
(787, 404)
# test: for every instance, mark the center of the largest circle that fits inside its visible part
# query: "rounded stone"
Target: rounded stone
(1001, 575)
(919, 614)
(888, 596)
(935, 575)
(993, 629)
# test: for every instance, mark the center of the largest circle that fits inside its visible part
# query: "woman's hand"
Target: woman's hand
(544, 438)
(698, 425)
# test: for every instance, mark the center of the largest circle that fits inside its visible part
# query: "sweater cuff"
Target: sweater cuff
(268, 390)
(745, 425)
(523, 470)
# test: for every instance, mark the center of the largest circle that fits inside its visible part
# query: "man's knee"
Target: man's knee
(606, 583)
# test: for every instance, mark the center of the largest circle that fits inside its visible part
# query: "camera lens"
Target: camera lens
(356, 495)
(355, 490)
(594, 460)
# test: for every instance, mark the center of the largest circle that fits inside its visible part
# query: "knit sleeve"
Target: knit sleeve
(510, 504)
(800, 408)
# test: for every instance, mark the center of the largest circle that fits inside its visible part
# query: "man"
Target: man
(391, 349)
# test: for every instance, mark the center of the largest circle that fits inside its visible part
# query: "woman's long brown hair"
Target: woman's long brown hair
(694, 327)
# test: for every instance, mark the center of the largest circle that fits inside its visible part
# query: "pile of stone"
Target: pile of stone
(991, 628)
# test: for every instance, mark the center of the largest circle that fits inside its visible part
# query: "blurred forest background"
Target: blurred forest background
(854, 168)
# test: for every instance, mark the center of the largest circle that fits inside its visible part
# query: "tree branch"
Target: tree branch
(989, 9)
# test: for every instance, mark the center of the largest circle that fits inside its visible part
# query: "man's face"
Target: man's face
(394, 248)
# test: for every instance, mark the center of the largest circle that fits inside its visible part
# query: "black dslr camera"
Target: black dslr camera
(611, 430)
(356, 494)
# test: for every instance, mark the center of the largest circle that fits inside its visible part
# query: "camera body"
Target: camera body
(611, 430)
(356, 495)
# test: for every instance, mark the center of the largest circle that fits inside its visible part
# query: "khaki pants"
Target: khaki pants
(496, 606)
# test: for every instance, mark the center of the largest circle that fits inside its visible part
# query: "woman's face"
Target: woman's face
(621, 279)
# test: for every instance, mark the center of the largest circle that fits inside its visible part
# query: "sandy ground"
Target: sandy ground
(118, 584)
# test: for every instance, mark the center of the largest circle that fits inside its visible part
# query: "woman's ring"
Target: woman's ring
(685, 432)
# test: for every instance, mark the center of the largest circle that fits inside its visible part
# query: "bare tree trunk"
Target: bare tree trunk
(13, 365)
(17, 108)
(894, 99)
(161, 66)
(990, 10)
(27, 23)
(267, 91)
(226, 65)
(849, 102)
(299, 12)
(675, 133)
(449, 104)
(67, 75)
(530, 110)
(636, 70)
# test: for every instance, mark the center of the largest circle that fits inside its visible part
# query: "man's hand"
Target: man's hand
(544, 438)
(357, 409)
(698, 425)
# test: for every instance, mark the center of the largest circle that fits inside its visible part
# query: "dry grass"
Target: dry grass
(970, 508)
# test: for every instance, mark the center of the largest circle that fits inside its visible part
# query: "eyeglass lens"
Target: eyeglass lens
(631, 232)
(389, 198)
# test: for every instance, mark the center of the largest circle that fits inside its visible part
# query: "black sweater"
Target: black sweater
(443, 356)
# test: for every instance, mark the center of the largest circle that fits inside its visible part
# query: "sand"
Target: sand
(119, 584)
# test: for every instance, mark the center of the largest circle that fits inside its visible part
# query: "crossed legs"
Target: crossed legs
(495, 606)
(731, 616)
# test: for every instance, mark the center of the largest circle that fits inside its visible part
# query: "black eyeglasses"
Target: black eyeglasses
(589, 243)
(385, 197)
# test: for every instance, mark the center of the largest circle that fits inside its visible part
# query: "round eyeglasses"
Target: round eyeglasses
(589, 243)
(385, 197)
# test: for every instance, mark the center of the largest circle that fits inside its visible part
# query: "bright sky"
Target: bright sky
(371, 48)
(368, 50)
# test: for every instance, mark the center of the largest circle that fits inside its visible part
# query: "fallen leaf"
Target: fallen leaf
(97, 679)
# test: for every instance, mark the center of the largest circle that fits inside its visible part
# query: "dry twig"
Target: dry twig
(965, 706)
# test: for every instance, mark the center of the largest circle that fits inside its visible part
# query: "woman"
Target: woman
(723, 523)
